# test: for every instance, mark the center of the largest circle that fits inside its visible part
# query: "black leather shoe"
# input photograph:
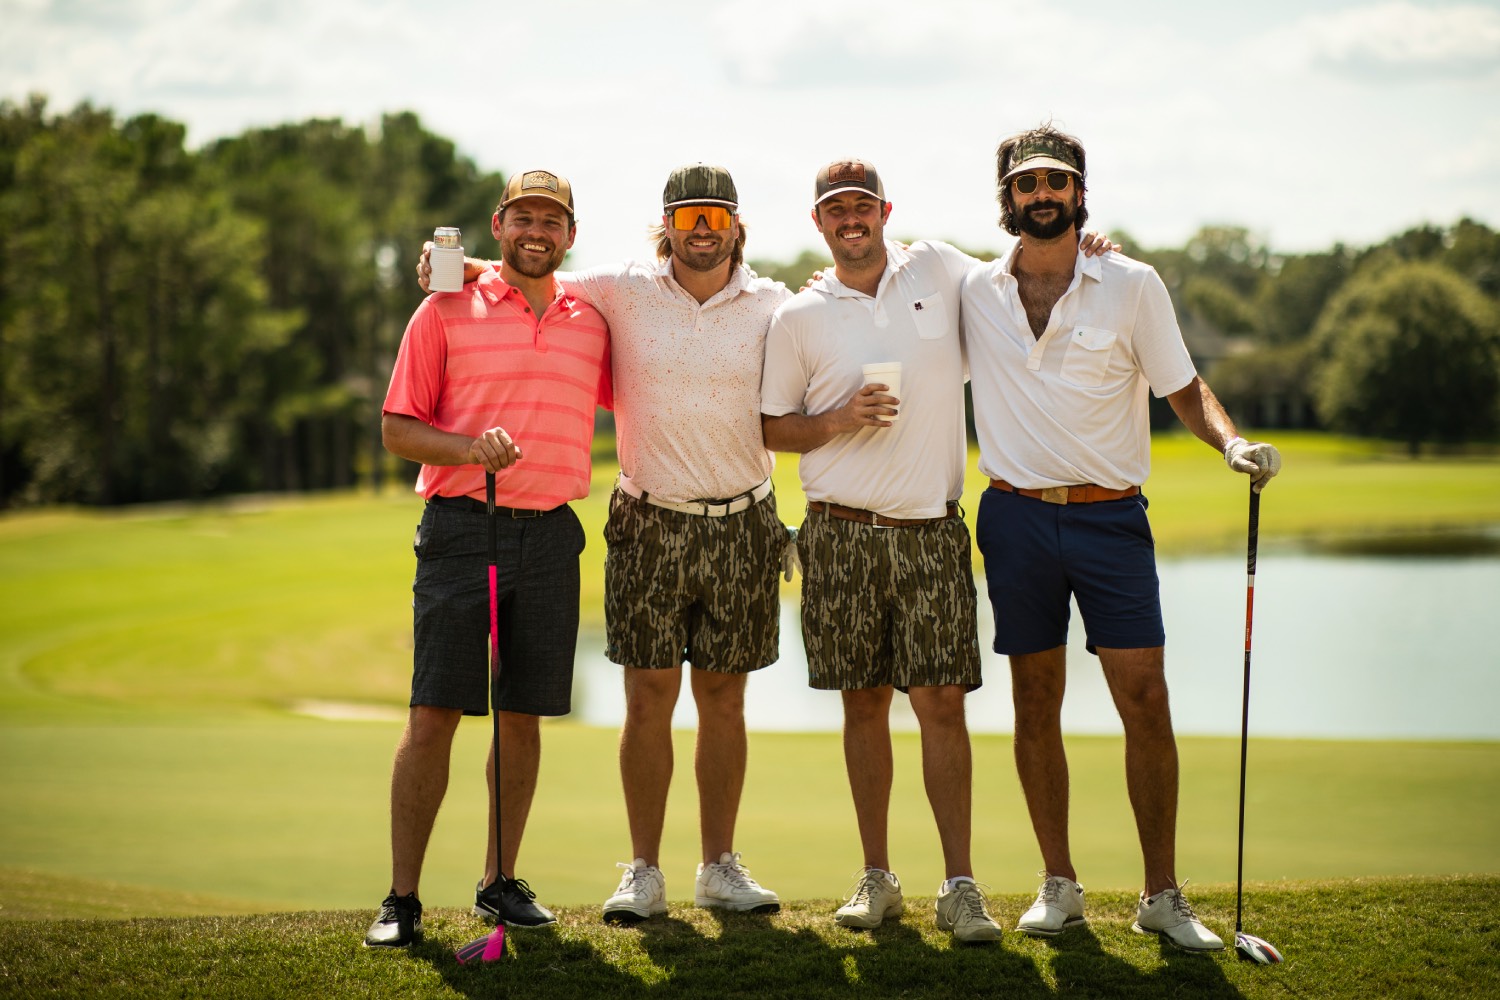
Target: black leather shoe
(512, 901)
(399, 923)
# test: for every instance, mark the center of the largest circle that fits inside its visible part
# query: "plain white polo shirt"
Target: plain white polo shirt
(820, 341)
(686, 377)
(1069, 407)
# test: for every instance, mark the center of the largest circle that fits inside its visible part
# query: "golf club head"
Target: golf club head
(490, 948)
(1255, 949)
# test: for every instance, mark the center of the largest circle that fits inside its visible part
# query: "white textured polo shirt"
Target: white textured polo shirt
(820, 341)
(1069, 407)
(686, 377)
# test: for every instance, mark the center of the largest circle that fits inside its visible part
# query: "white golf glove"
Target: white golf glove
(791, 560)
(1256, 459)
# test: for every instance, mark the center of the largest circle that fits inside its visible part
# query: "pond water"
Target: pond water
(1345, 646)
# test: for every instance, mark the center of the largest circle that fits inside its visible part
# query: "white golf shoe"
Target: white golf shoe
(642, 893)
(1058, 906)
(726, 884)
(877, 895)
(961, 909)
(1169, 914)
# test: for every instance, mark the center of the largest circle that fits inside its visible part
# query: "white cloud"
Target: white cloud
(1404, 40)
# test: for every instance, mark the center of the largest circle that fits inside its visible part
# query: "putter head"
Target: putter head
(490, 948)
(1255, 949)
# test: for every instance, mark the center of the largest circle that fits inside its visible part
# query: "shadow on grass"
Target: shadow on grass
(1082, 967)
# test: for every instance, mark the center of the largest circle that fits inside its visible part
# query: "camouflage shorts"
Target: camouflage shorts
(887, 605)
(686, 587)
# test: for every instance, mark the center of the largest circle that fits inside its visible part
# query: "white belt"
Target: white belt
(703, 508)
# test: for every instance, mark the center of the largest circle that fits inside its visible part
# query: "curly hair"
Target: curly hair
(1044, 133)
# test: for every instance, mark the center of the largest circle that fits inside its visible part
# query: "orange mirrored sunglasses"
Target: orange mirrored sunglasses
(717, 216)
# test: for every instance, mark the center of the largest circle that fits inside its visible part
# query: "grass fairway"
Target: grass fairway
(151, 659)
(1346, 940)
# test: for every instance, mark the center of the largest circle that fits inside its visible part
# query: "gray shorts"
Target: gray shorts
(688, 587)
(888, 605)
(537, 586)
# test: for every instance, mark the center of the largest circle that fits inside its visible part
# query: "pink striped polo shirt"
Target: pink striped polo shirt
(478, 359)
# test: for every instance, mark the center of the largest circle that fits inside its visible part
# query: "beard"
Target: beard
(843, 254)
(700, 259)
(529, 264)
(1059, 224)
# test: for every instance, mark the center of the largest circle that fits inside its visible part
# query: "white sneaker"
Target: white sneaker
(877, 895)
(642, 893)
(1168, 913)
(1058, 906)
(961, 909)
(727, 884)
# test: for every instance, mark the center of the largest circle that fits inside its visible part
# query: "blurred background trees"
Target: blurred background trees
(181, 323)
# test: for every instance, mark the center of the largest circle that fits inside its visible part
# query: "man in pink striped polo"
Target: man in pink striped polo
(501, 377)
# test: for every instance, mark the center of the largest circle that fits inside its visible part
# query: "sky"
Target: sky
(1308, 124)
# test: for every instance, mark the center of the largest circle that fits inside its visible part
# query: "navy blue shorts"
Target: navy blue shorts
(1037, 554)
(537, 584)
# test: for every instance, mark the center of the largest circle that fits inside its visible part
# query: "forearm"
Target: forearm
(1201, 412)
(799, 432)
(415, 441)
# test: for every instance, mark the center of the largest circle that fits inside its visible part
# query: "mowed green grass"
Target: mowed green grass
(150, 659)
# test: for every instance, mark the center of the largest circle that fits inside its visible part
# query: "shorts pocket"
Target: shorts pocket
(1087, 356)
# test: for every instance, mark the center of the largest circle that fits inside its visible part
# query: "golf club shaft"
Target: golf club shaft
(493, 526)
(1253, 535)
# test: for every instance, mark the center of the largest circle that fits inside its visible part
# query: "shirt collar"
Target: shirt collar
(895, 259)
(496, 289)
(1088, 267)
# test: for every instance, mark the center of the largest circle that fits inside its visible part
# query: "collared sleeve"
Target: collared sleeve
(1157, 340)
(417, 377)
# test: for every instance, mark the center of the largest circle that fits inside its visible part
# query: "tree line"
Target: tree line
(181, 323)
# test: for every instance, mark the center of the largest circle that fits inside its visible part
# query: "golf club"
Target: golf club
(1248, 946)
(491, 947)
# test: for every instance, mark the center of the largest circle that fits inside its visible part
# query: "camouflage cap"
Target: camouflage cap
(847, 175)
(700, 184)
(1042, 154)
(538, 184)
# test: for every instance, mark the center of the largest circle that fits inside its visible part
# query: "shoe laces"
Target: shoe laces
(633, 874)
(1050, 891)
(1179, 903)
(733, 872)
(392, 905)
(519, 885)
(971, 898)
(865, 883)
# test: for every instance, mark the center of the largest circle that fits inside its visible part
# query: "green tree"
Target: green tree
(1412, 354)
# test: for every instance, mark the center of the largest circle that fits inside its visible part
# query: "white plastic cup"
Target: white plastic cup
(887, 373)
(447, 261)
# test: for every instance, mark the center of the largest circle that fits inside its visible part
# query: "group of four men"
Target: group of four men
(709, 368)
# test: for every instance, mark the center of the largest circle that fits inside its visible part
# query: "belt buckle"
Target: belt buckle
(1054, 494)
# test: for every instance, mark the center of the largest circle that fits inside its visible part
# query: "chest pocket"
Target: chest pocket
(931, 316)
(1087, 357)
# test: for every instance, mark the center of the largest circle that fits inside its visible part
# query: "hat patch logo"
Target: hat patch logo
(538, 179)
(847, 173)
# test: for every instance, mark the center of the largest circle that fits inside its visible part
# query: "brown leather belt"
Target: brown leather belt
(878, 520)
(1087, 493)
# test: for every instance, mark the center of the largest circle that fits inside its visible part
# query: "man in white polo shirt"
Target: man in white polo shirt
(888, 593)
(694, 540)
(1062, 351)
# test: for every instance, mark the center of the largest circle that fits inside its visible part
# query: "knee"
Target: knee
(651, 695)
(938, 706)
(867, 705)
(429, 728)
(719, 696)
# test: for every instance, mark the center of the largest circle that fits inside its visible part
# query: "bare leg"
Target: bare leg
(520, 759)
(719, 762)
(1037, 684)
(646, 755)
(1137, 680)
(867, 758)
(947, 770)
(419, 779)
